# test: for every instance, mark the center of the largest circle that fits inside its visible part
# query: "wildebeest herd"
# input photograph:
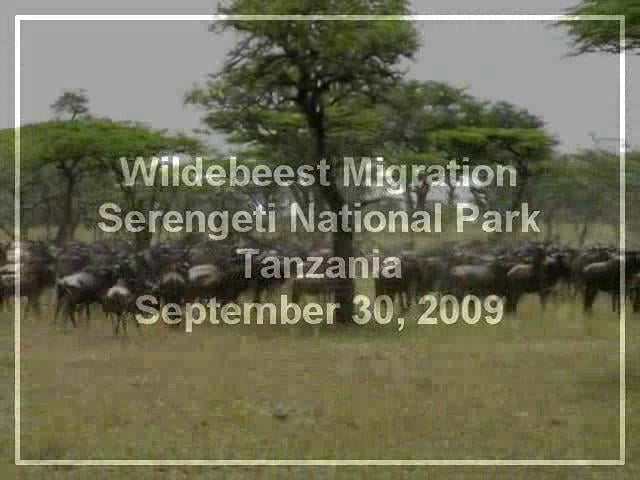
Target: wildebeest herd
(113, 275)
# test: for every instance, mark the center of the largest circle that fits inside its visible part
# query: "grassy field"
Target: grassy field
(533, 387)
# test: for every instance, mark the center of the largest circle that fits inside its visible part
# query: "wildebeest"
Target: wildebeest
(601, 276)
(172, 284)
(83, 288)
(118, 303)
(605, 276)
(416, 277)
(481, 280)
(203, 281)
(584, 258)
(177, 272)
(34, 261)
(525, 278)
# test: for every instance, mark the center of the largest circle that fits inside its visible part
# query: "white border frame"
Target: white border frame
(552, 18)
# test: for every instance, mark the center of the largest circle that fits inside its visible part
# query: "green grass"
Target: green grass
(533, 387)
(536, 386)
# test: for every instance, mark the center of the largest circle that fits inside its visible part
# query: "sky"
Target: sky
(142, 70)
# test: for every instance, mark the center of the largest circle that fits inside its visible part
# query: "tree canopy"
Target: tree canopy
(60, 159)
(604, 35)
(72, 102)
(289, 78)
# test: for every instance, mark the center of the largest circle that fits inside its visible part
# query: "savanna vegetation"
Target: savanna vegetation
(542, 384)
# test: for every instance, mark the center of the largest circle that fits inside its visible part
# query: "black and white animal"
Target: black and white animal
(34, 262)
(83, 289)
(119, 303)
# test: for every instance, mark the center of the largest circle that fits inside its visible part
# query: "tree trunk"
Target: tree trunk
(521, 191)
(66, 225)
(422, 192)
(342, 240)
(582, 238)
(343, 248)
(141, 240)
(451, 193)
(408, 199)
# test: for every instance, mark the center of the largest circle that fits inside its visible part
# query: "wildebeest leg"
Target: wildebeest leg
(382, 305)
(378, 288)
(34, 302)
(31, 303)
(512, 302)
(59, 306)
(115, 322)
(136, 323)
(70, 313)
(635, 300)
(295, 294)
(37, 306)
(590, 294)
(543, 298)
(257, 296)
(118, 322)
(408, 296)
(404, 301)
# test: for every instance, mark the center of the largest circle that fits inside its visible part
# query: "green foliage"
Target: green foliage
(438, 122)
(582, 188)
(287, 79)
(93, 141)
(530, 143)
(80, 157)
(312, 74)
(604, 35)
(413, 109)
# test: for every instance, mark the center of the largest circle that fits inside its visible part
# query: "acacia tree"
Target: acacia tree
(72, 102)
(73, 154)
(565, 190)
(434, 122)
(501, 134)
(51, 171)
(117, 142)
(306, 68)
